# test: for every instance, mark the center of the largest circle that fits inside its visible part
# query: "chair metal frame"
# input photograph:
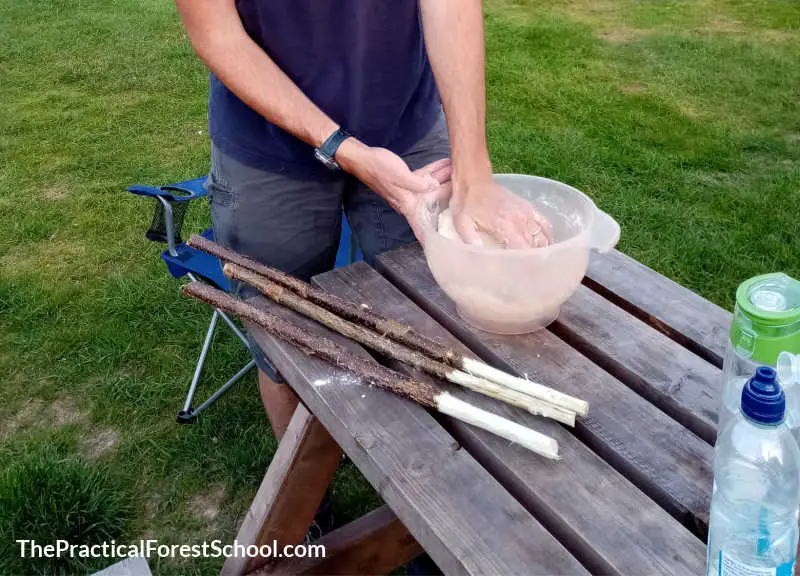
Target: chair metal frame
(188, 413)
(190, 190)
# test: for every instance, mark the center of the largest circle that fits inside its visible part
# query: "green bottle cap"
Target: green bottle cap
(767, 318)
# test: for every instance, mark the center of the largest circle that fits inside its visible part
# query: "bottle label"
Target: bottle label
(732, 566)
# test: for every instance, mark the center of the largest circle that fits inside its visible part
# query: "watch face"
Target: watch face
(329, 162)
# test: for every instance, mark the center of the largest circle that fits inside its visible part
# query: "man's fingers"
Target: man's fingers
(440, 193)
(416, 183)
(523, 230)
(394, 174)
(547, 227)
(440, 169)
(541, 242)
(443, 172)
(436, 165)
(428, 178)
(516, 238)
(537, 228)
(465, 226)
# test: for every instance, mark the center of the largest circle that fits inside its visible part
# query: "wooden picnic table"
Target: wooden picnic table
(630, 495)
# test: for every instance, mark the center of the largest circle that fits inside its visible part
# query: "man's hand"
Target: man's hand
(386, 174)
(483, 206)
(455, 43)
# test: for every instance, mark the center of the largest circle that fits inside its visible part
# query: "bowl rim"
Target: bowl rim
(428, 226)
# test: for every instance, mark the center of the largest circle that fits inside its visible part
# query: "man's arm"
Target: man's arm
(221, 42)
(454, 39)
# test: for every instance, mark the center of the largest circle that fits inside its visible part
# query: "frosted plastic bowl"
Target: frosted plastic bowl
(519, 291)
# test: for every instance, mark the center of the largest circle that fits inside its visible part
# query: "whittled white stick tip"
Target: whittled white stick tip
(478, 368)
(535, 406)
(530, 439)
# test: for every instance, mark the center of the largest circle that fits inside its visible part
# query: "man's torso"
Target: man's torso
(363, 62)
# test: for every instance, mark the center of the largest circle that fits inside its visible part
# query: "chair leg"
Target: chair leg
(243, 338)
(189, 414)
(216, 395)
(235, 328)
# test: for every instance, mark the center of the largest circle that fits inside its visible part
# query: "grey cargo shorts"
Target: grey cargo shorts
(295, 225)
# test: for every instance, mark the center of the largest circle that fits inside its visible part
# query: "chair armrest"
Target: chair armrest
(172, 202)
(178, 192)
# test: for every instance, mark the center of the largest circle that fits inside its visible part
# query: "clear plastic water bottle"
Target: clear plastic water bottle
(754, 508)
(789, 378)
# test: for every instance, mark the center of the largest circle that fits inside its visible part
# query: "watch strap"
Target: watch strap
(331, 145)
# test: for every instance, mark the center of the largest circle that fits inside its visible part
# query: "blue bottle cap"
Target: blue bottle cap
(763, 400)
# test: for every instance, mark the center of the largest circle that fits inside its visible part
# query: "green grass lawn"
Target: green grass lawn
(680, 118)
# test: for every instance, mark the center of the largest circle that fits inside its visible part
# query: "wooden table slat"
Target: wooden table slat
(611, 526)
(412, 462)
(689, 319)
(664, 459)
(676, 380)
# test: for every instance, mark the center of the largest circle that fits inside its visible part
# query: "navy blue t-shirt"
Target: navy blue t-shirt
(363, 62)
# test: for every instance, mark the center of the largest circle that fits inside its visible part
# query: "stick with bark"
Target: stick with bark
(369, 371)
(395, 350)
(395, 330)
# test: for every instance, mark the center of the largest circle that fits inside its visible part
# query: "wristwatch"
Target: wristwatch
(327, 151)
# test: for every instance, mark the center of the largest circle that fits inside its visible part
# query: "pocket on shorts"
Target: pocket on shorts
(222, 199)
(220, 193)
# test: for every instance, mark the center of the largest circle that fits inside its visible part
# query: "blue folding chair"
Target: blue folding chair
(171, 204)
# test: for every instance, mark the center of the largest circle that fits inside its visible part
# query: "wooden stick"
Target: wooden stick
(375, 374)
(483, 370)
(534, 405)
(394, 349)
(348, 310)
(541, 444)
(369, 371)
(394, 330)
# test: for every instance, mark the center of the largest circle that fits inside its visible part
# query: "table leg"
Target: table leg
(291, 492)
(376, 543)
(279, 401)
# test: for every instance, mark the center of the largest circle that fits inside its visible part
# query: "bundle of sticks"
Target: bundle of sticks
(393, 340)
